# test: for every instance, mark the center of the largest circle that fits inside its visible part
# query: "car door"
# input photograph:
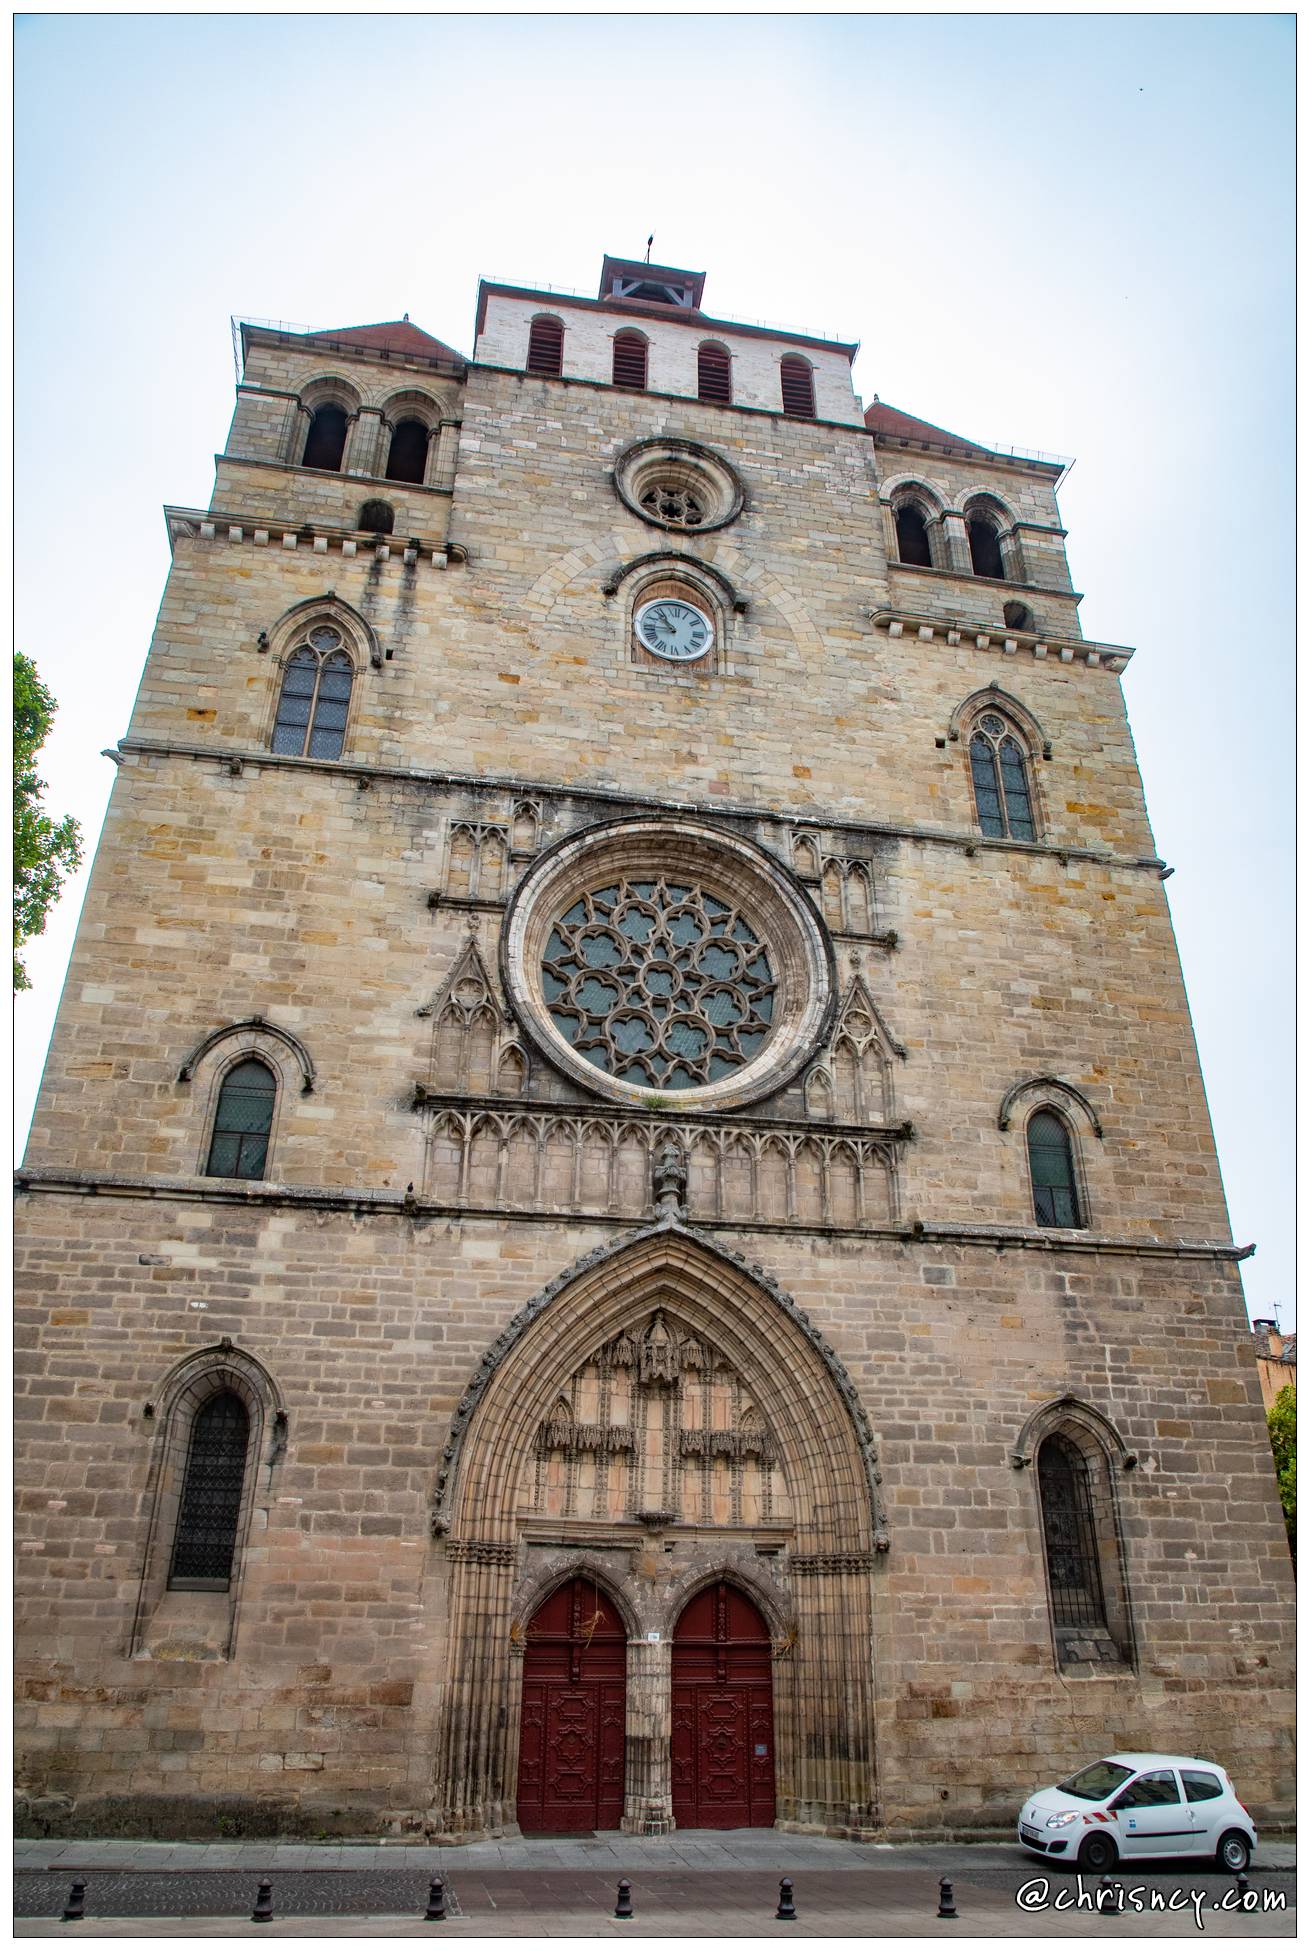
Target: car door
(1206, 1806)
(1153, 1818)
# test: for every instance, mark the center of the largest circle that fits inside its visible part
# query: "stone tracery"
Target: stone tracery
(657, 1418)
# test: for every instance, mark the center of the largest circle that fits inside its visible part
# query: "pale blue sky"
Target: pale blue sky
(1067, 233)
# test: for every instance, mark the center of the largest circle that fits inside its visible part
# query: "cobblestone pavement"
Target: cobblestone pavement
(691, 1886)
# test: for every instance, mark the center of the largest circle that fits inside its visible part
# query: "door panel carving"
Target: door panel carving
(574, 1706)
(722, 1714)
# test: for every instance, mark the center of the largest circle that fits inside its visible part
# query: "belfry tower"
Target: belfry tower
(622, 1229)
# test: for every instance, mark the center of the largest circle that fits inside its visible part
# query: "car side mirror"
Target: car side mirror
(1124, 1801)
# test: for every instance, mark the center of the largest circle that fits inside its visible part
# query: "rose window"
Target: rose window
(659, 983)
(676, 506)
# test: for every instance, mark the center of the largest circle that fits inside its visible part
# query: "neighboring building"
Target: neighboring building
(1275, 1360)
(622, 1226)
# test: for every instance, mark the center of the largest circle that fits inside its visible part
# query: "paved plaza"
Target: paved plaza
(690, 1885)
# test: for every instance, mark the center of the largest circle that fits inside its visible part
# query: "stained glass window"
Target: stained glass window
(315, 700)
(1000, 780)
(1050, 1155)
(659, 982)
(210, 1506)
(238, 1148)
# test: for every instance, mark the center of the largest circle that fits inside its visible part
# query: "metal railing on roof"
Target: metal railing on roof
(238, 319)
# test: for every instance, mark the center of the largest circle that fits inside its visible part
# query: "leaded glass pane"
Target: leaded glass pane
(1050, 1156)
(210, 1507)
(315, 700)
(239, 1146)
(986, 795)
(659, 983)
(1014, 779)
(1072, 1560)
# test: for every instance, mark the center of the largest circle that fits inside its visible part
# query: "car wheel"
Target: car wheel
(1099, 1854)
(1233, 1853)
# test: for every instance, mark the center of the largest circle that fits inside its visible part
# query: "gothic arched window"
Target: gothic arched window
(1073, 1559)
(325, 443)
(1050, 1160)
(315, 698)
(999, 765)
(714, 374)
(985, 547)
(630, 361)
(209, 1510)
(546, 347)
(798, 389)
(238, 1145)
(912, 536)
(407, 458)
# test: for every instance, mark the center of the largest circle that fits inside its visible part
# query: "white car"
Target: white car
(1132, 1806)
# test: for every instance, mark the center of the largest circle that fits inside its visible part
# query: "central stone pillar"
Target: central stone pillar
(648, 1792)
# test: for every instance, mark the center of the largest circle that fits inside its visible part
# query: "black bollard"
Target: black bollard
(786, 1902)
(263, 1911)
(623, 1908)
(1105, 1903)
(1242, 1881)
(946, 1899)
(436, 1910)
(76, 1905)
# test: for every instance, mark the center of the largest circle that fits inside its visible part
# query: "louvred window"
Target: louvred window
(630, 361)
(797, 389)
(546, 347)
(714, 375)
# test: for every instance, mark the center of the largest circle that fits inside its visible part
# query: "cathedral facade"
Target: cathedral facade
(622, 1229)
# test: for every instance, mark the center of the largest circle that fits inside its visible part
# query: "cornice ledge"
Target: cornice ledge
(352, 769)
(1039, 644)
(315, 538)
(1055, 1239)
(386, 1202)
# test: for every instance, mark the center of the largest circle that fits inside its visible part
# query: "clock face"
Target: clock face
(673, 629)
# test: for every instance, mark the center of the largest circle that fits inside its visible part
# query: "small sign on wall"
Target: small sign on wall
(653, 1639)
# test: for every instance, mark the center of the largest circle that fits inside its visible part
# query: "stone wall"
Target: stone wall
(372, 1322)
(857, 1246)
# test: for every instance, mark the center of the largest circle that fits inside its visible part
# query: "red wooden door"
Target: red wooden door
(722, 1714)
(574, 1686)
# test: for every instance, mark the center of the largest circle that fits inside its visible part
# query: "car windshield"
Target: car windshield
(1095, 1783)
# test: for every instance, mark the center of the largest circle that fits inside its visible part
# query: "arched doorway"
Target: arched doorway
(574, 1703)
(722, 1713)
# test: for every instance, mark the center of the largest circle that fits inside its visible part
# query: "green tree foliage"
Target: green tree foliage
(1282, 1434)
(46, 851)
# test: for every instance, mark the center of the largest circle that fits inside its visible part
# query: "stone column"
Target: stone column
(295, 432)
(364, 441)
(648, 1788)
(956, 535)
(832, 1768)
(442, 453)
(473, 1793)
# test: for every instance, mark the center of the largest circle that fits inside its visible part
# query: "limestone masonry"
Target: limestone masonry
(622, 1228)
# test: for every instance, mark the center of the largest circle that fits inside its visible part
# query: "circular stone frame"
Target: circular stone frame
(727, 865)
(666, 462)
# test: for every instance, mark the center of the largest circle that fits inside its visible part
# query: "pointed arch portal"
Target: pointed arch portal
(664, 1426)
